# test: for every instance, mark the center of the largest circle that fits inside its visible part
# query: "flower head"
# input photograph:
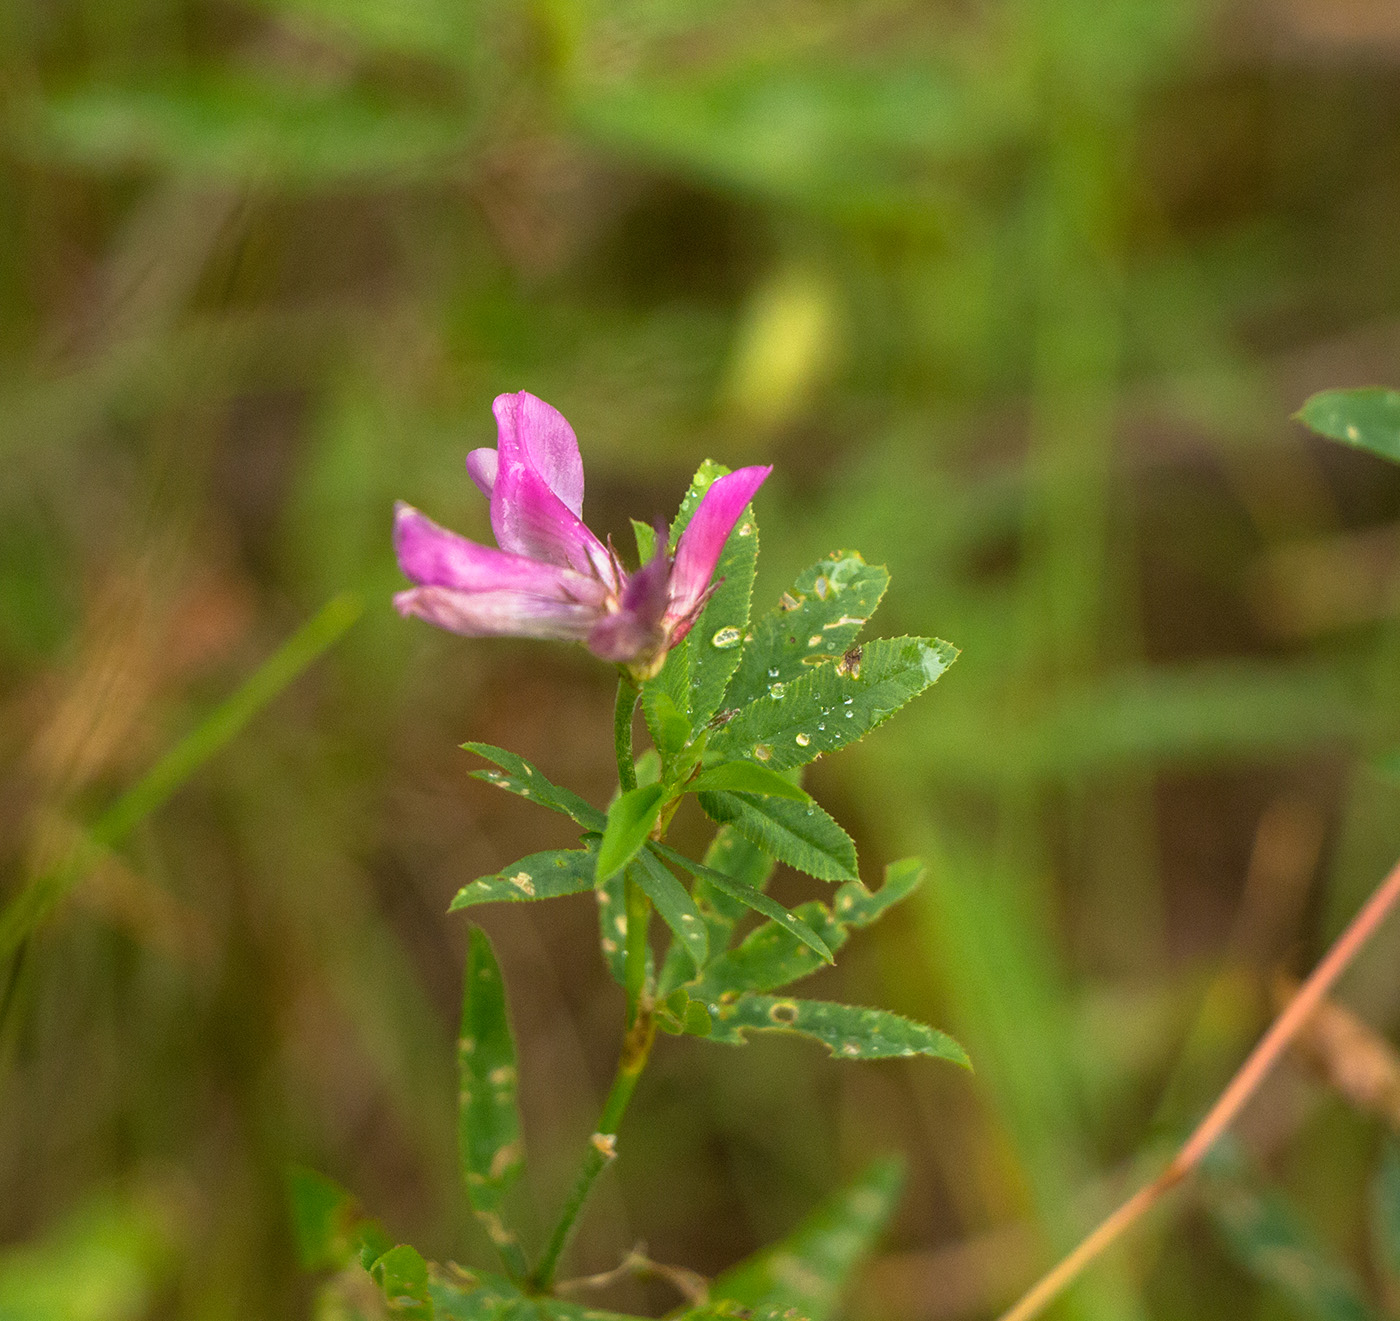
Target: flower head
(551, 577)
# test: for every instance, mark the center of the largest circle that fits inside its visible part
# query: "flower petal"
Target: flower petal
(529, 519)
(431, 556)
(634, 631)
(699, 548)
(529, 431)
(481, 468)
(498, 614)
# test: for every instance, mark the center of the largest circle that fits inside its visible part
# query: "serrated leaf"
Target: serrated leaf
(674, 904)
(518, 776)
(672, 684)
(630, 819)
(770, 956)
(1270, 1240)
(749, 897)
(1385, 1212)
(810, 1267)
(545, 875)
(736, 857)
(747, 777)
(835, 704)
(669, 729)
(815, 622)
(329, 1228)
(492, 1157)
(1367, 419)
(402, 1276)
(850, 1032)
(803, 835)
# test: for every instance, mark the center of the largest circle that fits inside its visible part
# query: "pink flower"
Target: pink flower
(551, 577)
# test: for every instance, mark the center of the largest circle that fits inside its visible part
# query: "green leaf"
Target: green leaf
(815, 622)
(612, 925)
(1368, 419)
(1385, 1211)
(329, 1228)
(488, 1122)
(476, 1296)
(802, 835)
(517, 776)
(770, 956)
(241, 128)
(402, 1276)
(433, 28)
(674, 904)
(670, 730)
(646, 540)
(835, 704)
(848, 1031)
(749, 897)
(810, 1267)
(630, 819)
(1269, 1240)
(747, 777)
(540, 876)
(717, 640)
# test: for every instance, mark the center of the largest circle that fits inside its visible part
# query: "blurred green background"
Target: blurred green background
(1018, 297)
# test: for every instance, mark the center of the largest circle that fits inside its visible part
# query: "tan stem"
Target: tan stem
(1227, 1108)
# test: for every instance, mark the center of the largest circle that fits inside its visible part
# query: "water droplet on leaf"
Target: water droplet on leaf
(803, 740)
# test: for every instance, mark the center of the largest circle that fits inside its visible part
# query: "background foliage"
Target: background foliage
(1018, 298)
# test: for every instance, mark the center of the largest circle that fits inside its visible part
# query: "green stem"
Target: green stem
(627, 697)
(641, 1027)
(602, 1146)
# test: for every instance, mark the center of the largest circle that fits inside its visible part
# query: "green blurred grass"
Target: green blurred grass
(1018, 300)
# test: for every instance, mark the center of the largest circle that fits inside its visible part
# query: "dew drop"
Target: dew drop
(803, 740)
(776, 690)
(821, 724)
(762, 751)
(773, 673)
(849, 714)
(848, 701)
(726, 637)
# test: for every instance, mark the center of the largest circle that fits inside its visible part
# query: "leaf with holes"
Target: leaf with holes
(814, 623)
(675, 906)
(848, 1031)
(770, 956)
(1368, 419)
(747, 777)
(835, 704)
(802, 835)
(749, 897)
(630, 819)
(517, 776)
(612, 925)
(810, 1268)
(540, 876)
(488, 1124)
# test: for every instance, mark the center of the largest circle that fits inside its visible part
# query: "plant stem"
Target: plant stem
(627, 697)
(641, 1026)
(602, 1146)
(1227, 1108)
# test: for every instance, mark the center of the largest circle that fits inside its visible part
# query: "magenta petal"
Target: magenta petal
(703, 539)
(481, 468)
(431, 556)
(634, 632)
(498, 614)
(529, 519)
(532, 433)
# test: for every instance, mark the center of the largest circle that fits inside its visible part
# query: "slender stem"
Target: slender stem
(627, 696)
(1232, 1100)
(641, 1027)
(602, 1146)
